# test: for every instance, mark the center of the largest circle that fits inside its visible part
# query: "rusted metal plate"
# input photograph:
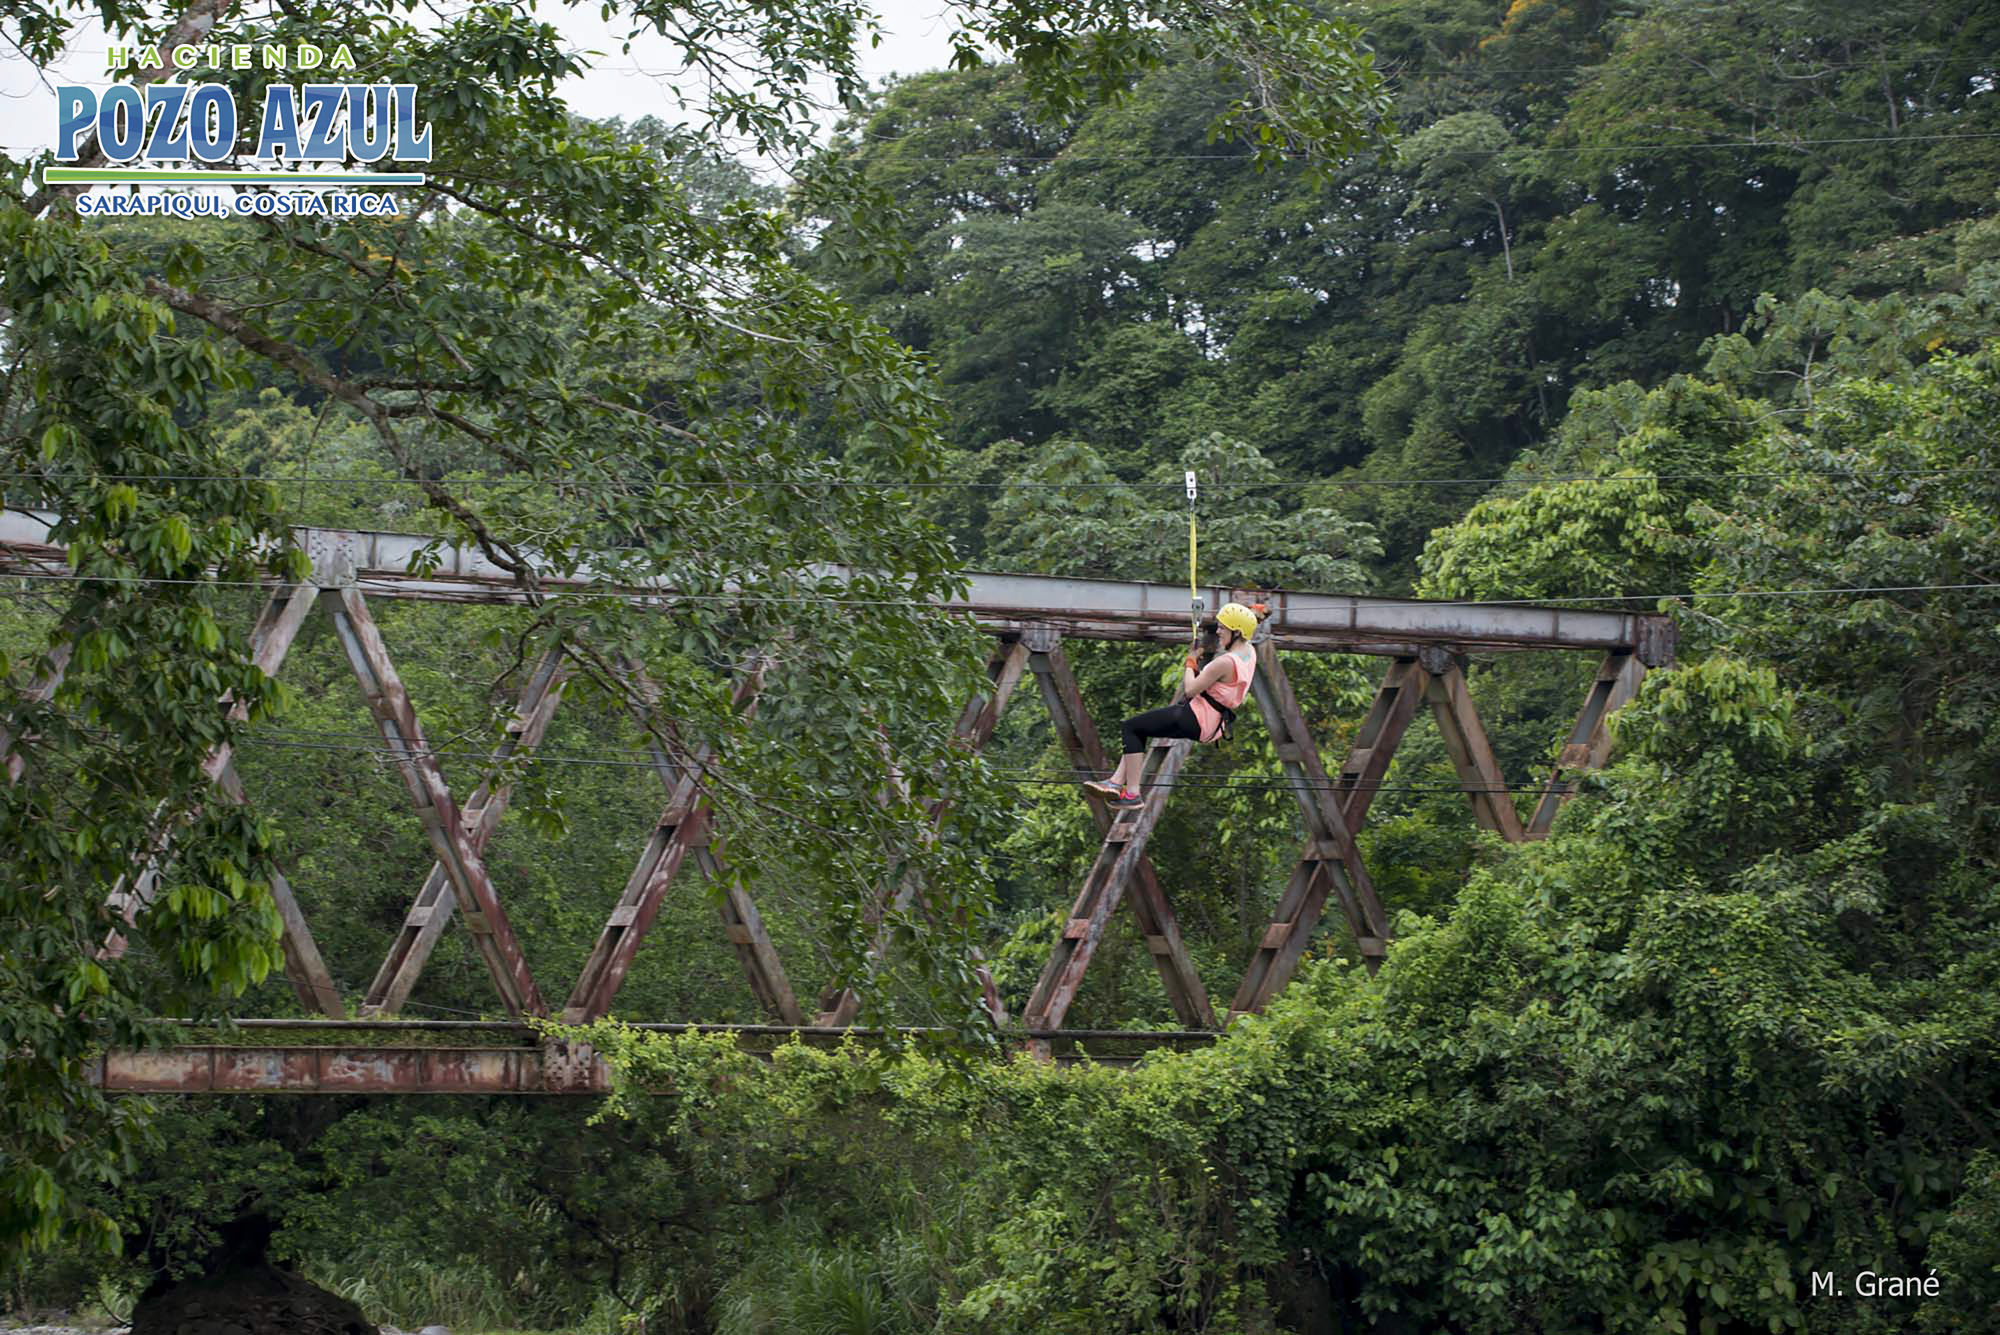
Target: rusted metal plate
(215, 1069)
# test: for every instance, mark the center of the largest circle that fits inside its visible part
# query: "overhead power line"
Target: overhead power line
(1015, 777)
(379, 585)
(1069, 156)
(1005, 776)
(1789, 144)
(888, 484)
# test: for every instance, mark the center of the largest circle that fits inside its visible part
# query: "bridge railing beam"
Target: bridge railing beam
(1085, 608)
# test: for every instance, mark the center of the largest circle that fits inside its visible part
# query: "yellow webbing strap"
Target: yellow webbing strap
(1194, 589)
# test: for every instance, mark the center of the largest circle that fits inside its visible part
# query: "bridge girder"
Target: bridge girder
(1030, 615)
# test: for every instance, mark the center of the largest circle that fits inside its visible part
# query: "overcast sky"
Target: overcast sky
(916, 39)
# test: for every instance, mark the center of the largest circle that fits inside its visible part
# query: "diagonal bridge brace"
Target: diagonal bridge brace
(974, 728)
(1389, 716)
(1465, 739)
(1117, 861)
(12, 762)
(1330, 863)
(741, 922)
(444, 824)
(1589, 745)
(270, 642)
(681, 829)
(425, 923)
(1156, 920)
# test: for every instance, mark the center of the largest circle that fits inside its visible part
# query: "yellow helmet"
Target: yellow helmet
(1238, 618)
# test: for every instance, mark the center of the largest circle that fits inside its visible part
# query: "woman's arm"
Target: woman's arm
(1220, 669)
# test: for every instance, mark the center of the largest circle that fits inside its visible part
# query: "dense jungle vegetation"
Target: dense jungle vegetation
(1690, 305)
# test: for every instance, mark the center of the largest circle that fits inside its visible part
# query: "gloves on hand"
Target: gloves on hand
(1193, 663)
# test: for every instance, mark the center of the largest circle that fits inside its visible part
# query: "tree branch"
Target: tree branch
(497, 549)
(199, 20)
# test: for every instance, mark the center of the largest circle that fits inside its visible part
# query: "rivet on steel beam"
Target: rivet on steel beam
(1436, 659)
(1040, 638)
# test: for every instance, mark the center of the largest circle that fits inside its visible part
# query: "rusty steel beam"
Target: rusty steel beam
(742, 924)
(11, 760)
(423, 779)
(1117, 859)
(553, 1067)
(982, 713)
(974, 728)
(1589, 745)
(1389, 716)
(1083, 608)
(1471, 754)
(425, 923)
(682, 827)
(805, 1031)
(1329, 863)
(351, 1070)
(1157, 922)
(311, 981)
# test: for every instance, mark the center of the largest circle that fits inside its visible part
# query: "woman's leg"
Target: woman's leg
(1172, 721)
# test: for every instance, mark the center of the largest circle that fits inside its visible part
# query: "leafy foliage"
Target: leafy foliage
(1711, 290)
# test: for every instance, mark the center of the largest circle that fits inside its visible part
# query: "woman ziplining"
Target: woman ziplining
(1210, 697)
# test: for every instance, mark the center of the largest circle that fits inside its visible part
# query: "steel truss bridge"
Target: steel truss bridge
(1029, 617)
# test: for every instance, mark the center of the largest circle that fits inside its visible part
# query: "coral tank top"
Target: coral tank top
(1231, 692)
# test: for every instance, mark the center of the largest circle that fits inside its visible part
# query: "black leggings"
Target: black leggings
(1172, 721)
